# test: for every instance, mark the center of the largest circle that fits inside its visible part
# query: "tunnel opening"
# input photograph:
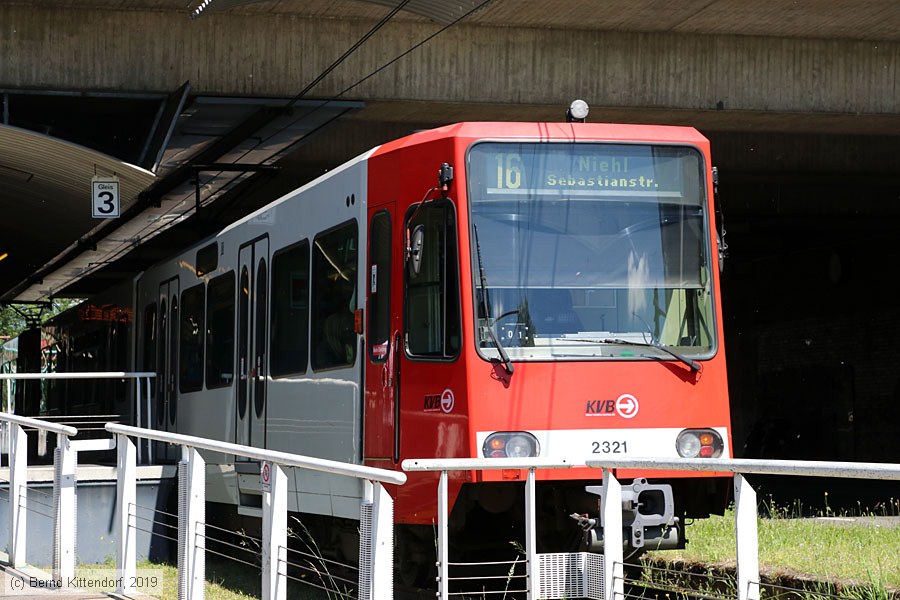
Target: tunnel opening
(810, 317)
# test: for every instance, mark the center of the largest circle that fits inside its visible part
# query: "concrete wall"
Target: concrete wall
(96, 527)
(278, 54)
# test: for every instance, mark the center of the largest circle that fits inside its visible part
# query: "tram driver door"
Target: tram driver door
(253, 288)
(166, 368)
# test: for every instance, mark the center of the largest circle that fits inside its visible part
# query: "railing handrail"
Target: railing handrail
(39, 424)
(276, 456)
(752, 466)
(79, 375)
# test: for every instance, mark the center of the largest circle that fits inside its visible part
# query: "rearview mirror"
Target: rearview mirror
(416, 241)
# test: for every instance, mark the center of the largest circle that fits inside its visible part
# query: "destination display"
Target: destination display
(579, 169)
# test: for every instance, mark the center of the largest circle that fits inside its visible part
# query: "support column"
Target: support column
(191, 525)
(274, 533)
(611, 510)
(381, 538)
(65, 513)
(18, 489)
(443, 532)
(126, 518)
(747, 539)
(533, 571)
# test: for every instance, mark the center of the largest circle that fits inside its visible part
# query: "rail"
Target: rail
(376, 513)
(611, 581)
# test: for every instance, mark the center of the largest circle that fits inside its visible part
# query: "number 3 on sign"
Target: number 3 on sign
(105, 197)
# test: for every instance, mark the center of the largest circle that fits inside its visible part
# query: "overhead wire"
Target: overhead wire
(384, 20)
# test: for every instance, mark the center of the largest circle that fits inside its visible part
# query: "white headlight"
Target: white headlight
(688, 444)
(519, 446)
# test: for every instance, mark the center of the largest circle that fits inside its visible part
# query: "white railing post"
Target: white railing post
(613, 559)
(274, 533)
(18, 489)
(126, 519)
(149, 421)
(747, 539)
(533, 571)
(381, 540)
(443, 543)
(191, 525)
(65, 513)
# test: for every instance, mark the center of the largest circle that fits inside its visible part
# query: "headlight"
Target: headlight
(699, 443)
(510, 444)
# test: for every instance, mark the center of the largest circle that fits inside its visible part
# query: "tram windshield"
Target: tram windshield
(589, 250)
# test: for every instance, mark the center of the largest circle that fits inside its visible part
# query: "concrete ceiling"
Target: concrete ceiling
(826, 19)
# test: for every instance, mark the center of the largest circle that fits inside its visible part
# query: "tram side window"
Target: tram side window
(334, 297)
(220, 331)
(432, 288)
(190, 367)
(290, 311)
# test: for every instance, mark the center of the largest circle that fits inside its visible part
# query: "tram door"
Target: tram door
(253, 294)
(167, 366)
(382, 340)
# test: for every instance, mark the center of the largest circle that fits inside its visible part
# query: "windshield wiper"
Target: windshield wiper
(694, 365)
(504, 357)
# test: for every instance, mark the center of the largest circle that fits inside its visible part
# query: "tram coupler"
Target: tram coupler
(648, 519)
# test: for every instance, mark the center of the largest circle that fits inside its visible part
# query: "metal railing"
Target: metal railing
(612, 579)
(63, 509)
(142, 393)
(376, 513)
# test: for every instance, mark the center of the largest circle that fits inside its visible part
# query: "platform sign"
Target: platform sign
(265, 476)
(105, 197)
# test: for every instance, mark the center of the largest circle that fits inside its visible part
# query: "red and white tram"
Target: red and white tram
(477, 290)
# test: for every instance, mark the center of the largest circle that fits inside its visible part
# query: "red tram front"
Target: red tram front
(555, 295)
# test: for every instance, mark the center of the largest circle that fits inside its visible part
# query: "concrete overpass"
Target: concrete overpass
(800, 100)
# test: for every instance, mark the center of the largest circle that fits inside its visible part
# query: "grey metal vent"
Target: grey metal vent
(365, 550)
(571, 575)
(182, 528)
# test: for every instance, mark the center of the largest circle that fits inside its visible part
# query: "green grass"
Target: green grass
(829, 551)
(228, 580)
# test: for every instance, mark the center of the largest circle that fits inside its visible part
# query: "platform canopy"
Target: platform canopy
(193, 154)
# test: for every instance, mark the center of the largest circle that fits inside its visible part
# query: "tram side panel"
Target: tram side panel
(225, 325)
(313, 403)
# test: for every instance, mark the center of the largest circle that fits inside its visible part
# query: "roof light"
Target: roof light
(578, 112)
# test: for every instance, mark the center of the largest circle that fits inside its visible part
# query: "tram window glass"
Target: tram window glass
(380, 286)
(220, 331)
(432, 290)
(290, 311)
(190, 366)
(334, 297)
(207, 259)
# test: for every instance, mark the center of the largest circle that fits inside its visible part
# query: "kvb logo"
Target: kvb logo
(440, 402)
(626, 406)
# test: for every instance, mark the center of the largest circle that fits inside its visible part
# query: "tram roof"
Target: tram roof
(552, 131)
